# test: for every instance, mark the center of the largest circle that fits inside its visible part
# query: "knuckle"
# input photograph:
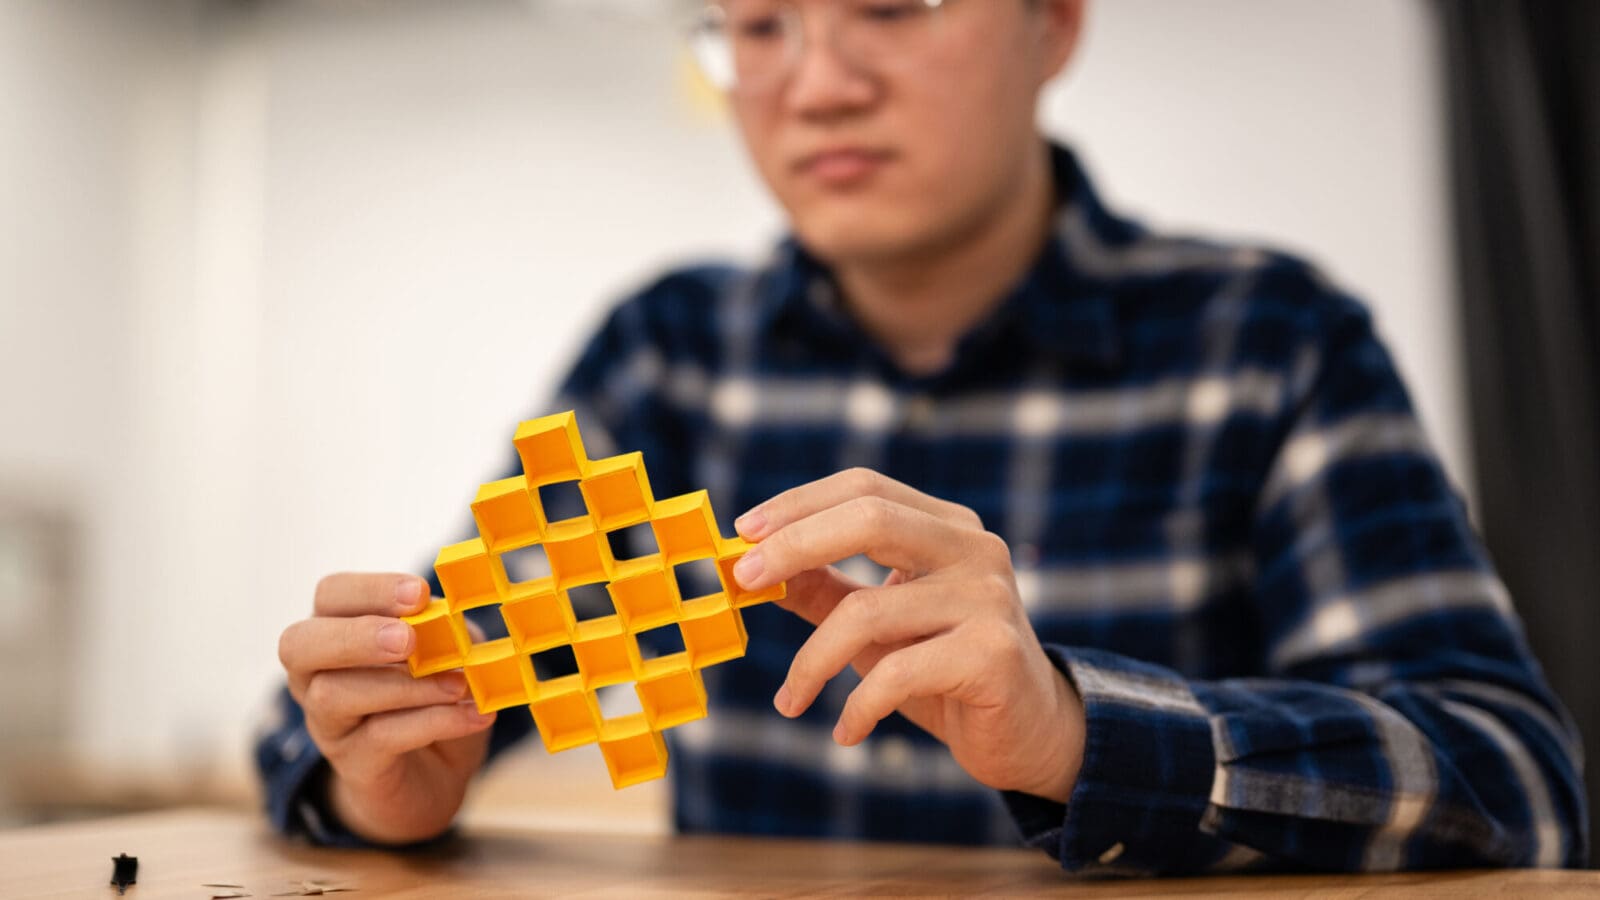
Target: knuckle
(995, 590)
(803, 669)
(320, 694)
(966, 515)
(894, 672)
(861, 480)
(863, 606)
(995, 642)
(351, 635)
(288, 641)
(874, 513)
(780, 547)
(992, 548)
(326, 587)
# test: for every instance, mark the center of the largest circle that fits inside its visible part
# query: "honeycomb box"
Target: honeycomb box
(539, 615)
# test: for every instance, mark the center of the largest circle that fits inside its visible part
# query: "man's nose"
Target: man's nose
(825, 83)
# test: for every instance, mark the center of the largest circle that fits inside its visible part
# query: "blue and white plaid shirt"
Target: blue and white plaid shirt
(1226, 524)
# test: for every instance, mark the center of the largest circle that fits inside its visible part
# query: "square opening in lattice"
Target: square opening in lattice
(685, 529)
(617, 701)
(606, 654)
(589, 602)
(637, 541)
(643, 594)
(554, 663)
(508, 514)
(617, 491)
(499, 676)
(734, 551)
(527, 566)
(537, 619)
(561, 501)
(697, 578)
(578, 554)
(550, 449)
(633, 751)
(661, 641)
(566, 714)
(441, 640)
(713, 631)
(671, 691)
(469, 575)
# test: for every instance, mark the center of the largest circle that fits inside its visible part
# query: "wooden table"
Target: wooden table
(180, 851)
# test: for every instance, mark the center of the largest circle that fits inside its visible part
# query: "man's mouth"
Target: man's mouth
(842, 166)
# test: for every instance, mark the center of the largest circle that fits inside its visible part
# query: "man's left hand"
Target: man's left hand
(944, 640)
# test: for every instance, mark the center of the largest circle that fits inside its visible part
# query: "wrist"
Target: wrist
(351, 810)
(1067, 727)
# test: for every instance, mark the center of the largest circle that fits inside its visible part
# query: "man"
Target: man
(1173, 580)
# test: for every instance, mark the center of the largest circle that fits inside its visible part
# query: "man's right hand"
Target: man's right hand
(402, 749)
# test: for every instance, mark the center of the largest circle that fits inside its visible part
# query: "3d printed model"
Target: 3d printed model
(539, 614)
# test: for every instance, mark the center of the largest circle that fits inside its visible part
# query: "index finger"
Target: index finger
(808, 499)
(888, 533)
(369, 594)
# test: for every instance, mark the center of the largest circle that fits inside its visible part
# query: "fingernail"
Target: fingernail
(782, 700)
(839, 734)
(748, 568)
(394, 637)
(751, 525)
(407, 592)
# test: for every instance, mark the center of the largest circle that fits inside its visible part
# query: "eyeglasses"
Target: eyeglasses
(753, 46)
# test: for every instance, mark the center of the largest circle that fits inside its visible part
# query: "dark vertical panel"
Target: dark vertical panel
(1524, 96)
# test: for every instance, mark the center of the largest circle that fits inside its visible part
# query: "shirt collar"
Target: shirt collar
(1061, 305)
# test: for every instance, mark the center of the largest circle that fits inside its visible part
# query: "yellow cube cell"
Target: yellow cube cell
(732, 551)
(671, 691)
(644, 594)
(470, 576)
(617, 491)
(537, 618)
(685, 529)
(578, 554)
(606, 654)
(551, 449)
(633, 752)
(508, 514)
(498, 676)
(442, 640)
(567, 715)
(713, 631)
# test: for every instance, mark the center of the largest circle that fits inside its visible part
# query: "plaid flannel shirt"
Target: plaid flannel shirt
(1227, 526)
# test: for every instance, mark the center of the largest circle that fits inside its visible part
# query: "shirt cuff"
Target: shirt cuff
(1146, 778)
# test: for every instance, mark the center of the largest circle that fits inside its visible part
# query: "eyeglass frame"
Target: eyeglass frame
(722, 73)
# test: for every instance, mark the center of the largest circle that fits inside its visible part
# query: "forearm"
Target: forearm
(1184, 776)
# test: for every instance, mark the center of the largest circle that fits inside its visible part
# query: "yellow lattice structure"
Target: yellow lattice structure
(539, 614)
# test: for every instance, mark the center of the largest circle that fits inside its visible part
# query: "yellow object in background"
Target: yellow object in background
(700, 97)
(539, 615)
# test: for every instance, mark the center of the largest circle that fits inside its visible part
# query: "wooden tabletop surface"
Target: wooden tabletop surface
(181, 851)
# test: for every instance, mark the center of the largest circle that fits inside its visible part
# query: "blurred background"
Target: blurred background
(280, 278)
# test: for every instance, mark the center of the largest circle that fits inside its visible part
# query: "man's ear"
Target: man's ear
(1061, 27)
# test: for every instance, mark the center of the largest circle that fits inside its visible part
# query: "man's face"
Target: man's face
(911, 150)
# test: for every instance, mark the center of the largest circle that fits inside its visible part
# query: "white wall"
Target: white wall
(1310, 125)
(341, 265)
